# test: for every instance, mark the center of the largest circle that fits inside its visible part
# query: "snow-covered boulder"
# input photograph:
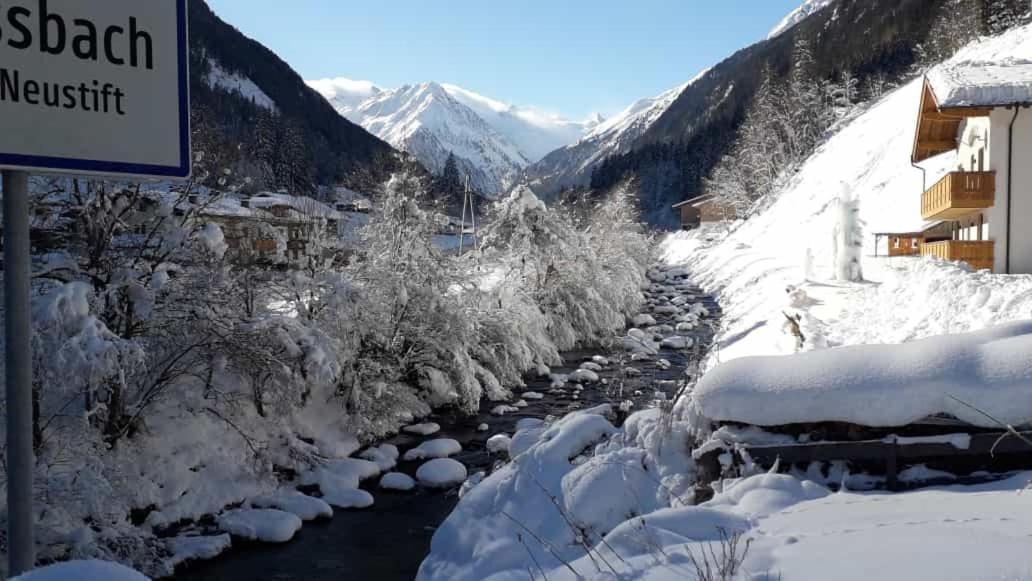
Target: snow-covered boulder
(501, 410)
(498, 444)
(584, 376)
(440, 448)
(385, 456)
(266, 525)
(678, 342)
(441, 473)
(644, 320)
(303, 506)
(591, 366)
(92, 570)
(532, 395)
(348, 498)
(397, 481)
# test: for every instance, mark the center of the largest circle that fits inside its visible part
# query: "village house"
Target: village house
(980, 112)
(704, 210)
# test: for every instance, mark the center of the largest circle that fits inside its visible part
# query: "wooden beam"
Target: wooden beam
(964, 112)
(937, 144)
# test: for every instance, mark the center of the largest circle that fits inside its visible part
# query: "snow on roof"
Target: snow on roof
(982, 83)
(880, 385)
(300, 204)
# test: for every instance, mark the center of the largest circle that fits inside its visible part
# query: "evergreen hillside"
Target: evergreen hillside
(286, 134)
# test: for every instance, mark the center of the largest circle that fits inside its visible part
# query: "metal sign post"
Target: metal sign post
(20, 546)
(86, 88)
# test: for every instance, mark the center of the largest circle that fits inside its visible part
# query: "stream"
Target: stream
(389, 540)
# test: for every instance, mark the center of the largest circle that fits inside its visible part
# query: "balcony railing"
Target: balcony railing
(959, 194)
(978, 254)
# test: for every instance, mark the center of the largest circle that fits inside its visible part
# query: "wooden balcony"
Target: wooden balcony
(978, 254)
(959, 194)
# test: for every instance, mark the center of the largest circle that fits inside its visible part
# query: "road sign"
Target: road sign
(97, 87)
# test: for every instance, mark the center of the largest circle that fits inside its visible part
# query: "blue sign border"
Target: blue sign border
(62, 164)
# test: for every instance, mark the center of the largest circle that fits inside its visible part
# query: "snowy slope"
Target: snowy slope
(572, 165)
(798, 15)
(753, 266)
(220, 78)
(494, 141)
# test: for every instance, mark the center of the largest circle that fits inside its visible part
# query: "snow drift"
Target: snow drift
(880, 385)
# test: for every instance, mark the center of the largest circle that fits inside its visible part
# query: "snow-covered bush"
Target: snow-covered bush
(179, 371)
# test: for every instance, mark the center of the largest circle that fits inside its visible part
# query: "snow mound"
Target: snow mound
(441, 473)
(880, 385)
(397, 481)
(347, 473)
(266, 525)
(441, 448)
(303, 506)
(197, 548)
(348, 498)
(384, 456)
(82, 571)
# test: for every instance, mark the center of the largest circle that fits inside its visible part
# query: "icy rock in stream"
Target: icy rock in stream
(501, 410)
(532, 395)
(591, 366)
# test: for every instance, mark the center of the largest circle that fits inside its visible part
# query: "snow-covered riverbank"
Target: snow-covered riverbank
(619, 505)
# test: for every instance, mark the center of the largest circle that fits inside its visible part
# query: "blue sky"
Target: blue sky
(572, 57)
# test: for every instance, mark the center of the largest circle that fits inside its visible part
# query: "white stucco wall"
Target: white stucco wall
(974, 144)
(1021, 194)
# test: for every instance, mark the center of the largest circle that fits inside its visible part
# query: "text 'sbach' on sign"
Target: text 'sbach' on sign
(95, 87)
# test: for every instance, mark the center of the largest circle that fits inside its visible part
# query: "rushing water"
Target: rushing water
(389, 540)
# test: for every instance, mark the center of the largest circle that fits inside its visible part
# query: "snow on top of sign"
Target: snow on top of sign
(880, 385)
(219, 77)
(982, 84)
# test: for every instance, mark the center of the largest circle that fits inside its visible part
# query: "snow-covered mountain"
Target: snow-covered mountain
(807, 8)
(571, 166)
(492, 141)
